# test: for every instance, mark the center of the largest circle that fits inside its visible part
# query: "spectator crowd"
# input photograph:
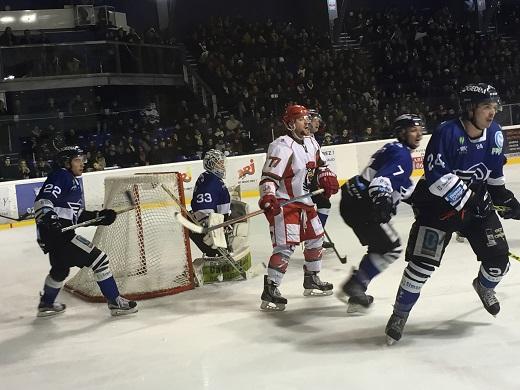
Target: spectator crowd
(402, 61)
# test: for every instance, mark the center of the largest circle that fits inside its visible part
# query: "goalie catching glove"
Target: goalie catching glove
(328, 181)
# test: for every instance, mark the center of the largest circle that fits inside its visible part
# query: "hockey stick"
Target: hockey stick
(94, 220)
(513, 256)
(342, 260)
(200, 229)
(23, 217)
(237, 267)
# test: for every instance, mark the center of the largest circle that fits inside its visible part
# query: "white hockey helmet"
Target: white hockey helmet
(215, 162)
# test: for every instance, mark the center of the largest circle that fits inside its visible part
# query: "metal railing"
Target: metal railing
(88, 58)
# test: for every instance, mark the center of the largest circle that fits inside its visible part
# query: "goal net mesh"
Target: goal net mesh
(148, 250)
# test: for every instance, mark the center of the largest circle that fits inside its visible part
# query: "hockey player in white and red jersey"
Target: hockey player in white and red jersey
(290, 166)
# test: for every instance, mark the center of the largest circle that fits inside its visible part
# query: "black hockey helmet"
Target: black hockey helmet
(474, 94)
(405, 121)
(66, 154)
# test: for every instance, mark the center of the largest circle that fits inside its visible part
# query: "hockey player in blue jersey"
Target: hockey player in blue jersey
(210, 195)
(368, 202)
(60, 204)
(463, 179)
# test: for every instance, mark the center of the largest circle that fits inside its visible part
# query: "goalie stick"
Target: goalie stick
(237, 267)
(202, 230)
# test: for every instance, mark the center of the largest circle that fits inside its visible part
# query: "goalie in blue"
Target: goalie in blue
(463, 182)
(60, 204)
(210, 195)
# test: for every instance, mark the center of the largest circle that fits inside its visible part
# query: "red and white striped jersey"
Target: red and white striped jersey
(291, 165)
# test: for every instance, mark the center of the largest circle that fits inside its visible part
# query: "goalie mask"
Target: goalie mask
(215, 162)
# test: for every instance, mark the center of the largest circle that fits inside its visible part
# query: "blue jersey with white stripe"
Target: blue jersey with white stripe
(210, 195)
(389, 170)
(453, 161)
(64, 192)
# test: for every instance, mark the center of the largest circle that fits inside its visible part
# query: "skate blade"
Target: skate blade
(354, 309)
(270, 306)
(390, 341)
(122, 312)
(49, 313)
(313, 292)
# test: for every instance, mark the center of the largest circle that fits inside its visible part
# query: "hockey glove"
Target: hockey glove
(480, 204)
(49, 231)
(270, 205)
(383, 207)
(109, 216)
(512, 209)
(328, 181)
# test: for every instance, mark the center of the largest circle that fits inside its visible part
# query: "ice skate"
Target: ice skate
(353, 294)
(313, 286)
(122, 306)
(49, 310)
(272, 300)
(395, 326)
(488, 298)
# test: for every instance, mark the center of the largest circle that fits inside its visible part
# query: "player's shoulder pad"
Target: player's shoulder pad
(282, 144)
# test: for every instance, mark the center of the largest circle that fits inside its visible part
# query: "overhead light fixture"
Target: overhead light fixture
(28, 18)
(7, 19)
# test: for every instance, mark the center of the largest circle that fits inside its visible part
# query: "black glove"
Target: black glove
(49, 231)
(480, 204)
(109, 216)
(383, 208)
(513, 209)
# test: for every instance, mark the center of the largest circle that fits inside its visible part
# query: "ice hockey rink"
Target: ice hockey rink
(215, 337)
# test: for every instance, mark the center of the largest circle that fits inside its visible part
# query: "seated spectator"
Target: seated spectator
(42, 168)
(99, 161)
(23, 171)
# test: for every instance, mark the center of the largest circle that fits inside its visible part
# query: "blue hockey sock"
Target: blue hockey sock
(109, 288)
(405, 300)
(366, 272)
(51, 289)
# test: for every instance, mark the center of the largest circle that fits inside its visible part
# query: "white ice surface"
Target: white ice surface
(216, 337)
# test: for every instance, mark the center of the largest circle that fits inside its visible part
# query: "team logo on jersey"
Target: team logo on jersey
(478, 172)
(311, 169)
(75, 207)
(247, 170)
(499, 139)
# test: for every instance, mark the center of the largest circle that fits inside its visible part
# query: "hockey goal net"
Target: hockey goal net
(148, 250)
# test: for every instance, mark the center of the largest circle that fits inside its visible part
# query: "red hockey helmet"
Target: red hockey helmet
(293, 112)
